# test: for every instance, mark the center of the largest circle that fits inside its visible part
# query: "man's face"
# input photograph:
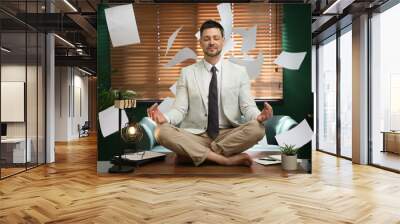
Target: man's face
(212, 42)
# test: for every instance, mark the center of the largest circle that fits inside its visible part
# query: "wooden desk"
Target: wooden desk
(391, 141)
(16, 147)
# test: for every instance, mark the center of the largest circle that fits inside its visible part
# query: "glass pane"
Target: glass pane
(346, 94)
(327, 97)
(41, 98)
(31, 97)
(385, 84)
(13, 86)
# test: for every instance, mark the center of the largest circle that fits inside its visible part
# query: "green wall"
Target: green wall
(297, 96)
(297, 102)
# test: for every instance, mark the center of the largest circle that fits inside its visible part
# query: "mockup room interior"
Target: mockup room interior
(242, 111)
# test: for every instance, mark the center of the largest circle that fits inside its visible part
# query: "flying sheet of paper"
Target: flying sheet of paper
(182, 55)
(121, 23)
(263, 141)
(166, 105)
(173, 88)
(298, 136)
(253, 66)
(108, 120)
(249, 37)
(290, 60)
(225, 13)
(228, 46)
(241, 31)
(172, 38)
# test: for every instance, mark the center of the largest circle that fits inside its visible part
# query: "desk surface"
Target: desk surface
(13, 140)
(391, 132)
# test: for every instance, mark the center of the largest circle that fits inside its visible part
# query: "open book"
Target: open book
(269, 160)
(145, 155)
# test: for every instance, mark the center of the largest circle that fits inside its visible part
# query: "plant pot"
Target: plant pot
(289, 162)
(123, 104)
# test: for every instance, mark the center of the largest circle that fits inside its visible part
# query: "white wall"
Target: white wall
(71, 87)
(62, 80)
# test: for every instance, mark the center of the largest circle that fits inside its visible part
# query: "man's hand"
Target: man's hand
(155, 114)
(266, 113)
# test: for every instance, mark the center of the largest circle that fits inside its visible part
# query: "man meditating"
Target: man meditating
(211, 97)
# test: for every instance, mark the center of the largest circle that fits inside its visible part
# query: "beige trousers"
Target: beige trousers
(230, 141)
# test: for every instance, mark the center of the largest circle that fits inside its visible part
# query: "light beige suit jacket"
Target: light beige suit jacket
(190, 110)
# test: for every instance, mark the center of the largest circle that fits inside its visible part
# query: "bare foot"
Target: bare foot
(240, 159)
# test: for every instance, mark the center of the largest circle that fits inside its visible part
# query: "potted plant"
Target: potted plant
(289, 157)
(119, 98)
(125, 99)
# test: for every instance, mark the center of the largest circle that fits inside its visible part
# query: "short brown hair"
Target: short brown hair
(211, 24)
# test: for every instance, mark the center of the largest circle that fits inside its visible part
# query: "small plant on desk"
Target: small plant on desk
(289, 157)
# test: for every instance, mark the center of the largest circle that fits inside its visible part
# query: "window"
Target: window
(346, 93)
(140, 67)
(385, 88)
(327, 96)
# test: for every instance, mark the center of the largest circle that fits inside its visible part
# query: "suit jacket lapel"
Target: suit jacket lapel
(199, 72)
(224, 78)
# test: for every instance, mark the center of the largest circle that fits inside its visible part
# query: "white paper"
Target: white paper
(263, 141)
(225, 13)
(166, 105)
(198, 35)
(290, 60)
(249, 38)
(297, 136)
(269, 160)
(121, 23)
(108, 120)
(172, 38)
(253, 66)
(241, 31)
(182, 55)
(173, 89)
(228, 46)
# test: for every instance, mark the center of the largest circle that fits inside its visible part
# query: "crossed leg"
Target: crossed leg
(225, 150)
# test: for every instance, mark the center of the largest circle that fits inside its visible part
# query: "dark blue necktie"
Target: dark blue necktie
(213, 119)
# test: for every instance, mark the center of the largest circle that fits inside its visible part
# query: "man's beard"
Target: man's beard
(212, 54)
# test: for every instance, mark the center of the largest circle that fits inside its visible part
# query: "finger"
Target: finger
(153, 106)
(157, 118)
(268, 107)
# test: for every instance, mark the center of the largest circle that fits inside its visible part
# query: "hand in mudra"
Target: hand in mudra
(155, 114)
(266, 113)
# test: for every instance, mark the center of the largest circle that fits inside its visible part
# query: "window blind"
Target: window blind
(141, 68)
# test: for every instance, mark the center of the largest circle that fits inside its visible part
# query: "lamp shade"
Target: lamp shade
(131, 132)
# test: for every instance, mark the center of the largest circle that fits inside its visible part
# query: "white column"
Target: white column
(360, 90)
(50, 94)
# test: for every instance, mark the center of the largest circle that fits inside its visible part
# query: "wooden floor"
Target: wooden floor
(70, 191)
(387, 159)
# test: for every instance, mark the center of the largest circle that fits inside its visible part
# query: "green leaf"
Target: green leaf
(289, 150)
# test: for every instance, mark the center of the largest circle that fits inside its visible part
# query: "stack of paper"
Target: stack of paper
(269, 160)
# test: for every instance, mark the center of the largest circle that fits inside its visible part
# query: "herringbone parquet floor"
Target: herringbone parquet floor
(70, 191)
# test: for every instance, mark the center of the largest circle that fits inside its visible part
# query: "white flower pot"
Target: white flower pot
(289, 162)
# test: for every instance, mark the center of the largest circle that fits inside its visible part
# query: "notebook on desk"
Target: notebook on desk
(139, 158)
(269, 160)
